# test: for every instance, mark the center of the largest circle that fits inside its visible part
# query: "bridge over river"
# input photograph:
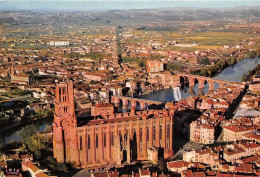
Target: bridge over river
(133, 102)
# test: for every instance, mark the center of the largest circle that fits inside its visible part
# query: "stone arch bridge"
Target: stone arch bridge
(125, 100)
(191, 79)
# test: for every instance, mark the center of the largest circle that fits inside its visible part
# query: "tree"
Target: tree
(161, 164)
(172, 66)
(27, 132)
(141, 61)
(204, 61)
(244, 77)
(40, 112)
(232, 60)
(41, 147)
(94, 82)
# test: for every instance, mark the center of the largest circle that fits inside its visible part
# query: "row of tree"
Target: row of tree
(16, 93)
(92, 55)
(209, 71)
(140, 61)
(43, 113)
(156, 28)
(172, 66)
(118, 44)
(254, 72)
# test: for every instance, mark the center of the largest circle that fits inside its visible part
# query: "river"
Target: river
(13, 134)
(235, 72)
(231, 73)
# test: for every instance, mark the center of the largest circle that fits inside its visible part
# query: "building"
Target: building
(23, 79)
(255, 85)
(202, 132)
(95, 76)
(234, 133)
(34, 170)
(187, 45)
(102, 109)
(117, 90)
(177, 166)
(162, 78)
(59, 43)
(154, 66)
(236, 151)
(113, 139)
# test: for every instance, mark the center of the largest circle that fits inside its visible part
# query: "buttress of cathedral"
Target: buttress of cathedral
(116, 139)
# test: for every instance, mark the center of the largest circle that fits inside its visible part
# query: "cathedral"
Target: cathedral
(116, 139)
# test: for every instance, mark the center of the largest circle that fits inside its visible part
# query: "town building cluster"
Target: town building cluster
(100, 121)
(216, 107)
(236, 148)
(233, 159)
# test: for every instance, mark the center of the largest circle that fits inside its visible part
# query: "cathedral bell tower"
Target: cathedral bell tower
(65, 145)
(12, 69)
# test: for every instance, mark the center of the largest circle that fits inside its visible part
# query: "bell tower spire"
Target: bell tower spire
(12, 69)
(65, 124)
(64, 103)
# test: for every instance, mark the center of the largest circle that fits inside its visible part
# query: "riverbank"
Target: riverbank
(4, 129)
(211, 71)
(40, 114)
(20, 125)
(249, 75)
(153, 90)
(17, 125)
(12, 134)
(235, 72)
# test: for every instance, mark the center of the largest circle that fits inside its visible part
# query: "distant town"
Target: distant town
(131, 93)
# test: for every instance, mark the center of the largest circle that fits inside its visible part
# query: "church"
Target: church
(22, 79)
(116, 139)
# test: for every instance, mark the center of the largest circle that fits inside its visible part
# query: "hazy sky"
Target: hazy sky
(223, 1)
(119, 4)
(136, 0)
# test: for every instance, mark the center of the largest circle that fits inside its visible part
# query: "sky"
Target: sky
(137, 0)
(119, 4)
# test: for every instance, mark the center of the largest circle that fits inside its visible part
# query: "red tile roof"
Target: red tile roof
(238, 128)
(31, 166)
(177, 164)
(104, 105)
(41, 174)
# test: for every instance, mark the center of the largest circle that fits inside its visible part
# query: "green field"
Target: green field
(205, 40)
(217, 38)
